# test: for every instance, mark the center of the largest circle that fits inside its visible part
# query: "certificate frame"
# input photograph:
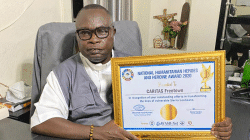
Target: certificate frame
(217, 57)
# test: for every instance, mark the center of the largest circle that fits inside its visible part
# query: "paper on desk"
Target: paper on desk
(19, 92)
(11, 98)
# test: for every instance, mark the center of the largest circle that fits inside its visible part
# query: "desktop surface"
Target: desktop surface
(239, 112)
(15, 130)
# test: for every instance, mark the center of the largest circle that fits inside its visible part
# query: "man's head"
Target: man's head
(95, 33)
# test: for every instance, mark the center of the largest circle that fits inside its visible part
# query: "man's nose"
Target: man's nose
(94, 39)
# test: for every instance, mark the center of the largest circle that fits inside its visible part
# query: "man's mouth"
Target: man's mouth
(95, 51)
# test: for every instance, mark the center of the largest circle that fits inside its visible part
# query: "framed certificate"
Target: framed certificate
(169, 96)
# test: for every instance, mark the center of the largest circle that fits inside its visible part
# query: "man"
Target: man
(74, 101)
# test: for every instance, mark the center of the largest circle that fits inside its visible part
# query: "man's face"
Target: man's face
(96, 50)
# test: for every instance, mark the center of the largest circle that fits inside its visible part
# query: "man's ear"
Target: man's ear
(76, 41)
(76, 46)
(114, 31)
(76, 35)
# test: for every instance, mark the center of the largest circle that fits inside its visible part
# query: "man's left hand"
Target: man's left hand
(222, 130)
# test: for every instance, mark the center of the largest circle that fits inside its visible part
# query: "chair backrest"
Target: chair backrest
(55, 42)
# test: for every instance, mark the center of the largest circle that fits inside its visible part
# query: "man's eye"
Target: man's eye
(84, 32)
(102, 30)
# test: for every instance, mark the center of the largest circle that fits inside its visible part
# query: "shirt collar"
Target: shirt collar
(96, 67)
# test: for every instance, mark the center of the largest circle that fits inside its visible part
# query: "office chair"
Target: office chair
(235, 44)
(55, 42)
(233, 41)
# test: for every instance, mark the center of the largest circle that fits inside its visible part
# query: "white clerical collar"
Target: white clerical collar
(97, 67)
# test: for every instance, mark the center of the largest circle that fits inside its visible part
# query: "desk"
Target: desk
(14, 130)
(239, 113)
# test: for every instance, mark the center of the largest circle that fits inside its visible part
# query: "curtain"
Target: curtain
(120, 9)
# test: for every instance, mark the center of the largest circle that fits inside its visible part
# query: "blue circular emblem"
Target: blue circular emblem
(127, 74)
(139, 107)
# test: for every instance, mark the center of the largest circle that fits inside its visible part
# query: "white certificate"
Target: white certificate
(173, 95)
(167, 97)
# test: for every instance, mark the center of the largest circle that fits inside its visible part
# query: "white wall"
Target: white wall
(20, 21)
(141, 14)
(204, 16)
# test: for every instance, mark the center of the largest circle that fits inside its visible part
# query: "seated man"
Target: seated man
(75, 101)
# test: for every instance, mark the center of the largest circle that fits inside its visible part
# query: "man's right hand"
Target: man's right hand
(111, 131)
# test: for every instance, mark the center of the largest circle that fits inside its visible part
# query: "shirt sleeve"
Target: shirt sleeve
(51, 103)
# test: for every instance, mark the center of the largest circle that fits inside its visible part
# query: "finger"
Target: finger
(222, 129)
(225, 134)
(120, 137)
(221, 135)
(124, 138)
(126, 133)
(116, 135)
(225, 138)
(215, 133)
(226, 122)
(129, 135)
